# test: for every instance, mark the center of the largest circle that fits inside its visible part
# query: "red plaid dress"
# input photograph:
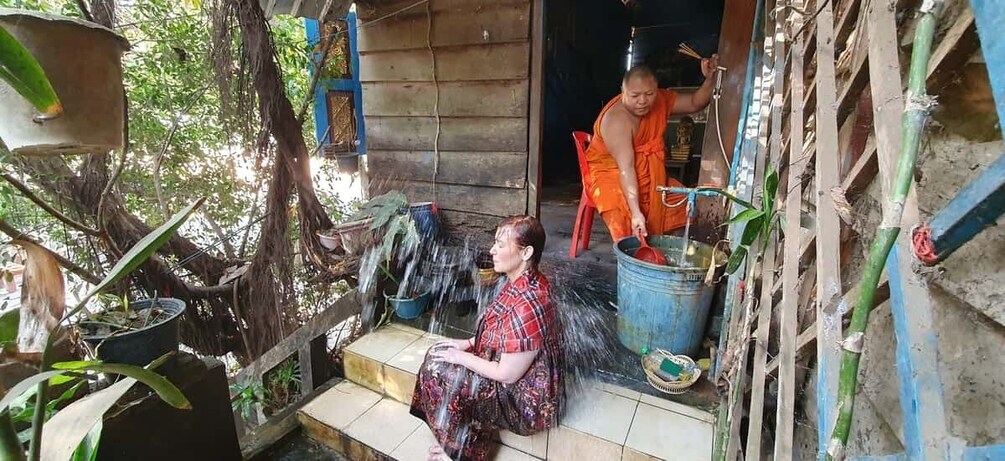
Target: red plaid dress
(463, 409)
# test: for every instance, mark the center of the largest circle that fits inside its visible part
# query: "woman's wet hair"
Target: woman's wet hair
(527, 231)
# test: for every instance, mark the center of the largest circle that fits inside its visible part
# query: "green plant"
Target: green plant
(913, 123)
(246, 397)
(282, 384)
(45, 304)
(400, 235)
(23, 73)
(759, 222)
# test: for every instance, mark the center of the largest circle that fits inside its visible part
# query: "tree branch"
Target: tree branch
(86, 13)
(164, 147)
(48, 208)
(6, 228)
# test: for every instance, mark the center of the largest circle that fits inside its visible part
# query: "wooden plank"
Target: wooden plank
(483, 24)
(503, 98)
(807, 340)
(306, 367)
(784, 417)
(535, 135)
(497, 169)
(456, 133)
(921, 397)
(954, 50)
(371, 11)
(320, 324)
(762, 333)
(266, 435)
(494, 201)
(828, 227)
(505, 61)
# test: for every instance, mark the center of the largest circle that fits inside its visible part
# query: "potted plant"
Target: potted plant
(134, 332)
(395, 255)
(75, 430)
(86, 75)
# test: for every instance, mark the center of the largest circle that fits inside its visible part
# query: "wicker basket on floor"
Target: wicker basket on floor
(651, 363)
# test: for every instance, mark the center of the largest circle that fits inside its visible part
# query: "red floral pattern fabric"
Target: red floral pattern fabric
(463, 409)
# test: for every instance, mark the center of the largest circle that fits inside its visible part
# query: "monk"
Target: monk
(626, 153)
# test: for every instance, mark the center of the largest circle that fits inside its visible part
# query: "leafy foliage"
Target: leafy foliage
(759, 222)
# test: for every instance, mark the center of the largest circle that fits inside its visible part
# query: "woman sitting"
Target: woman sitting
(508, 376)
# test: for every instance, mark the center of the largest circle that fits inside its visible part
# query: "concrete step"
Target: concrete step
(366, 417)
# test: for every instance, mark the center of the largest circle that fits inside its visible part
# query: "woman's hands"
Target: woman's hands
(448, 354)
(462, 344)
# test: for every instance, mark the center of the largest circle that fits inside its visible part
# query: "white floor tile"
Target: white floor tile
(410, 358)
(416, 446)
(602, 414)
(382, 344)
(669, 435)
(509, 454)
(384, 427)
(675, 407)
(341, 405)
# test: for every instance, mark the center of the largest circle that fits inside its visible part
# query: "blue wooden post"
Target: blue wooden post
(321, 123)
(975, 208)
(313, 31)
(982, 201)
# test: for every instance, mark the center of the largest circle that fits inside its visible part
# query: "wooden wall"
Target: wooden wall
(482, 68)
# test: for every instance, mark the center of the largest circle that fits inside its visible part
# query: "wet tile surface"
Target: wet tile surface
(341, 405)
(668, 435)
(384, 426)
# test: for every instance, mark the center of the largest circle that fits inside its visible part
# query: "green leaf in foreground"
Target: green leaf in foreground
(24, 74)
(736, 259)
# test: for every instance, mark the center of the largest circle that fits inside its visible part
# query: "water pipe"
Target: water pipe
(692, 194)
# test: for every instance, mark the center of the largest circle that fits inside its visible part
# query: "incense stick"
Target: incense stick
(688, 51)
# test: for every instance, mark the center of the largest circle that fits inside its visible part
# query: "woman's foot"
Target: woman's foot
(436, 453)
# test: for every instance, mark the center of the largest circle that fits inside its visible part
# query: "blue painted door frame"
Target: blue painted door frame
(321, 125)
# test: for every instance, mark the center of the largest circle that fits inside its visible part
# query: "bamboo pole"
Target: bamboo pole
(915, 114)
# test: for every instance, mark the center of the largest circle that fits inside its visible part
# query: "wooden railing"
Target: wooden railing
(309, 344)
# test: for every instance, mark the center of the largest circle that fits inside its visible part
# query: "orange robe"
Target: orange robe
(650, 171)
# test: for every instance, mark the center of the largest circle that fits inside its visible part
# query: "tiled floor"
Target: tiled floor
(607, 423)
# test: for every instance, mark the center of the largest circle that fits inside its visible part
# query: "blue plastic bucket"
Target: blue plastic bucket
(664, 307)
(427, 218)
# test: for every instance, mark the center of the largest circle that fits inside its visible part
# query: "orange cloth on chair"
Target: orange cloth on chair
(650, 171)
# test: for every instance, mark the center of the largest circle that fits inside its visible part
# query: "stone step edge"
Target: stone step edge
(338, 440)
(354, 449)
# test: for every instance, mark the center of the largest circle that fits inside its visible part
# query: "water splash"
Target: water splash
(584, 303)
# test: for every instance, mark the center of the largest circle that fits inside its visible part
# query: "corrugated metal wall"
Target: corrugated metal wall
(480, 50)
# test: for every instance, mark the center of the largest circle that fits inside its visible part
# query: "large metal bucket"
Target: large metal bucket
(664, 307)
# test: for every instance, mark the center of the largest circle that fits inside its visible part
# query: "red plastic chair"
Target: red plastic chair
(584, 216)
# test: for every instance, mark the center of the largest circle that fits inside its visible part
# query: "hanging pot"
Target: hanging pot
(347, 163)
(83, 62)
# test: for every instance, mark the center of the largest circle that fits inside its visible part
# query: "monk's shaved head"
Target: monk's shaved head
(638, 90)
(640, 72)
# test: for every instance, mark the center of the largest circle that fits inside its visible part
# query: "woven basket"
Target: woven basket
(651, 363)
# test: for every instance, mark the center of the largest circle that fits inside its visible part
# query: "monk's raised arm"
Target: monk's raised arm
(617, 129)
(687, 103)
